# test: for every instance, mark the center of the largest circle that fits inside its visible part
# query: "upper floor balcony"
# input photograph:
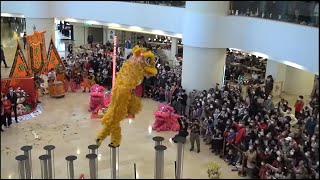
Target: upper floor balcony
(180, 4)
(299, 12)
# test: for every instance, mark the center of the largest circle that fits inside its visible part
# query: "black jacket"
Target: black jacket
(13, 99)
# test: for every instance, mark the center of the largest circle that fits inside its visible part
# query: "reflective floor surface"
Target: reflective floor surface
(66, 124)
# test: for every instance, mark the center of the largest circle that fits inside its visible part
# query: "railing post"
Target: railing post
(180, 152)
(159, 164)
(70, 166)
(44, 162)
(22, 162)
(158, 140)
(114, 161)
(50, 152)
(27, 151)
(92, 165)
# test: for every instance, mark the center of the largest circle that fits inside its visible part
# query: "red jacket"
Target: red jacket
(299, 105)
(240, 134)
(7, 106)
(262, 126)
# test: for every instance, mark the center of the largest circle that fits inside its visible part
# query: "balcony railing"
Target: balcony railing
(181, 4)
(300, 12)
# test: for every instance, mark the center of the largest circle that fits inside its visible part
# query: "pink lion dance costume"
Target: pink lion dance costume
(98, 99)
(166, 120)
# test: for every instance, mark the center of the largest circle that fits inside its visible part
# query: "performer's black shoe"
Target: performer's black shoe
(6, 67)
(84, 91)
(191, 149)
(17, 121)
(2, 130)
(198, 151)
(38, 102)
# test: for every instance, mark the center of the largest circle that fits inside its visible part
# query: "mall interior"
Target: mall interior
(240, 79)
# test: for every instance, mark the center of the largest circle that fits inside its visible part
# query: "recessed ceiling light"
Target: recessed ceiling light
(114, 25)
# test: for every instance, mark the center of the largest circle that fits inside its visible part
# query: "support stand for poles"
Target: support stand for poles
(50, 152)
(27, 151)
(180, 153)
(44, 162)
(159, 164)
(22, 162)
(70, 166)
(114, 161)
(92, 165)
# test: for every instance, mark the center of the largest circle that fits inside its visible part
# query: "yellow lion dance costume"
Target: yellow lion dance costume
(124, 103)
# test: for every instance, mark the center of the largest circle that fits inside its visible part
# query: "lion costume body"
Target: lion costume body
(124, 103)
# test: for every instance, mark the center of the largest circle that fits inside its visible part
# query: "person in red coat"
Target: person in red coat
(241, 130)
(7, 111)
(263, 125)
(298, 106)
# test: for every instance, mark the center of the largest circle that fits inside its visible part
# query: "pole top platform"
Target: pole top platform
(71, 158)
(44, 157)
(91, 156)
(93, 146)
(21, 157)
(26, 148)
(49, 147)
(160, 148)
(158, 138)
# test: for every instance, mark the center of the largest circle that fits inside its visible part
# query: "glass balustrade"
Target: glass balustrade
(300, 12)
(181, 4)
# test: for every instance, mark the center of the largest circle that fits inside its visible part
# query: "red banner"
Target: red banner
(19, 67)
(53, 58)
(37, 51)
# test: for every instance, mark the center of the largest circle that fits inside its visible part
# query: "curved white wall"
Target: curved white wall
(279, 40)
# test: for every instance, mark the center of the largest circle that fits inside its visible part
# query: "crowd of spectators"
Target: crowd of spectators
(271, 140)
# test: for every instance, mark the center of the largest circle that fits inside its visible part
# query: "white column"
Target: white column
(199, 67)
(42, 24)
(298, 82)
(105, 34)
(203, 63)
(86, 34)
(174, 50)
(278, 72)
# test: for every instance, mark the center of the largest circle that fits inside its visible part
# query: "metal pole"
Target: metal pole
(135, 170)
(44, 162)
(158, 140)
(114, 161)
(50, 152)
(180, 153)
(92, 165)
(159, 164)
(27, 151)
(70, 167)
(22, 162)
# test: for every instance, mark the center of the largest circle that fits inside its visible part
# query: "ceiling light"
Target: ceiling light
(93, 22)
(135, 28)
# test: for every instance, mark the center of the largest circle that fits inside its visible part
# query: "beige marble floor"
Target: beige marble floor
(66, 124)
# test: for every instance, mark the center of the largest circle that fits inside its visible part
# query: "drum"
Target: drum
(56, 89)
